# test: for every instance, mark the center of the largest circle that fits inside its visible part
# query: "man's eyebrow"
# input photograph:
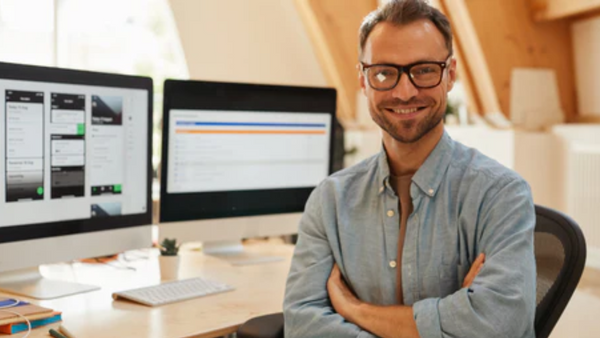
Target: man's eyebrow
(417, 61)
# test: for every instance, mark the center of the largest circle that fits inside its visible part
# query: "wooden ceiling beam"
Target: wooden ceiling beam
(332, 26)
(473, 56)
(464, 75)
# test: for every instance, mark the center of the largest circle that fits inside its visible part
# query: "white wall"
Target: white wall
(539, 157)
(258, 41)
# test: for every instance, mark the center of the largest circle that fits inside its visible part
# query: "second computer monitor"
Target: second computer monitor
(240, 158)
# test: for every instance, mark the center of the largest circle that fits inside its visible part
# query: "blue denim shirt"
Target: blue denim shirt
(464, 204)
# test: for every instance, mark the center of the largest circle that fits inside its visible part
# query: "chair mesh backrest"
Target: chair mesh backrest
(560, 253)
(549, 258)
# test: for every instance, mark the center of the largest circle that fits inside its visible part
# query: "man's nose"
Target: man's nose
(405, 90)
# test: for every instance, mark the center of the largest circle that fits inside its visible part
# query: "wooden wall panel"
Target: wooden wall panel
(510, 38)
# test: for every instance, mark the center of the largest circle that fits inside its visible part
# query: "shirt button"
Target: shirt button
(431, 191)
(392, 264)
(381, 189)
(390, 213)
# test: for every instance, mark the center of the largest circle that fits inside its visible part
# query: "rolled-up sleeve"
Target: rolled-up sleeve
(501, 300)
(307, 309)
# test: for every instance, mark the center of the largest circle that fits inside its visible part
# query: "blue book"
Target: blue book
(22, 326)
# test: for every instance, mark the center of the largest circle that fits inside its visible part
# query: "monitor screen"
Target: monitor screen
(241, 150)
(75, 149)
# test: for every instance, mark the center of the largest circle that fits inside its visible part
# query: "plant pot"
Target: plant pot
(169, 267)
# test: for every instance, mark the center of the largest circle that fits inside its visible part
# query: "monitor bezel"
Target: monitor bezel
(180, 207)
(11, 71)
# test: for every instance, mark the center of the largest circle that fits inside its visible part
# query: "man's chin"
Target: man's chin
(407, 139)
(409, 135)
(406, 134)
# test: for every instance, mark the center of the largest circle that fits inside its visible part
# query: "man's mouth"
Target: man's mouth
(405, 111)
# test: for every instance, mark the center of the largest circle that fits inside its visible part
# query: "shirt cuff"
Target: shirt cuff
(427, 317)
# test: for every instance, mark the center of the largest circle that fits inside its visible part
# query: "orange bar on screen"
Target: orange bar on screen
(192, 131)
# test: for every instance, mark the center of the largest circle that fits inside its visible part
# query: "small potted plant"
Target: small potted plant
(169, 259)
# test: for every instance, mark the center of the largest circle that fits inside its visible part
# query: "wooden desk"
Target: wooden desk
(259, 290)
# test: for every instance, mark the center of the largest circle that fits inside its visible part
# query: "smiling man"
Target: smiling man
(428, 238)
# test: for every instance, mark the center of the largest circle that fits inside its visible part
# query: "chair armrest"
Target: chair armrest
(269, 326)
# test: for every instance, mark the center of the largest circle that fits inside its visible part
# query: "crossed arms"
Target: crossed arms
(499, 303)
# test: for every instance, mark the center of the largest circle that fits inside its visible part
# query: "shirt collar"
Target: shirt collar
(384, 170)
(430, 175)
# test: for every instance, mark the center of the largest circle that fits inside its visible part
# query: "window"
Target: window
(27, 31)
(136, 37)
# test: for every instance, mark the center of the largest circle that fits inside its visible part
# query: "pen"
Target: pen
(55, 334)
(65, 332)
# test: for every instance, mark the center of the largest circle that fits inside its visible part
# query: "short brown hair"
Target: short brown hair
(402, 12)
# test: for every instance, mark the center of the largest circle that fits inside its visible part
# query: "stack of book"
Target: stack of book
(38, 316)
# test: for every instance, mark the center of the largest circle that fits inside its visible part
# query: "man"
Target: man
(427, 239)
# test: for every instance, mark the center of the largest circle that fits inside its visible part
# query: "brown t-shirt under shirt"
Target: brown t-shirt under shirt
(401, 186)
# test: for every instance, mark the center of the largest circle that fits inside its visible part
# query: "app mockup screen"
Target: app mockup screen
(71, 152)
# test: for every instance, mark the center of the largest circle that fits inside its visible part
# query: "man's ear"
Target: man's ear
(362, 81)
(451, 74)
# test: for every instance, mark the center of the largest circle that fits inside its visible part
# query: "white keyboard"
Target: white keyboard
(175, 291)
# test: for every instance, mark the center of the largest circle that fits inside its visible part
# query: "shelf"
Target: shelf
(546, 10)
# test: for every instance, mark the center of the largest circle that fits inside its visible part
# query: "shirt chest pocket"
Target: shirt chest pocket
(451, 278)
(442, 280)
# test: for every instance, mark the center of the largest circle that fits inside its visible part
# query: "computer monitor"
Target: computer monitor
(240, 160)
(76, 171)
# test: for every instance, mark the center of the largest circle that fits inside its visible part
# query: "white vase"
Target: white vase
(169, 267)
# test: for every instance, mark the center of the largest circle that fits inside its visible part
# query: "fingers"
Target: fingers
(335, 271)
(480, 259)
(334, 276)
(474, 271)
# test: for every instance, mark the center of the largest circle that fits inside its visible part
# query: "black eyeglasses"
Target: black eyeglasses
(423, 75)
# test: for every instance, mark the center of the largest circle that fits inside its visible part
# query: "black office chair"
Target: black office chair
(560, 253)
(269, 326)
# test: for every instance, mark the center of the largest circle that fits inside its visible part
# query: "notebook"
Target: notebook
(31, 311)
(22, 326)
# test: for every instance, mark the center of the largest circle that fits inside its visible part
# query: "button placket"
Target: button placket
(390, 224)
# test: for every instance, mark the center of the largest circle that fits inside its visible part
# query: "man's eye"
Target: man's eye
(425, 71)
(385, 73)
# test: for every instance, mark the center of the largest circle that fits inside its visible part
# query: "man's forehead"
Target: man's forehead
(413, 42)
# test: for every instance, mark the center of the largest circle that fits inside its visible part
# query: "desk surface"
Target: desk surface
(259, 290)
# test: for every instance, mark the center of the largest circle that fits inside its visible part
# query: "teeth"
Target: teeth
(405, 111)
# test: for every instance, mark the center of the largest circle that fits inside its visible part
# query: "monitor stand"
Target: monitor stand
(30, 283)
(233, 252)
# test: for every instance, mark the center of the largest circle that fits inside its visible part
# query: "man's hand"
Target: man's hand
(474, 271)
(343, 300)
(383, 321)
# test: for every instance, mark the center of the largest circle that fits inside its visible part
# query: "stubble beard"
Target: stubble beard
(407, 131)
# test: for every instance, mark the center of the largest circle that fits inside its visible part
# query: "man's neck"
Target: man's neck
(407, 158)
